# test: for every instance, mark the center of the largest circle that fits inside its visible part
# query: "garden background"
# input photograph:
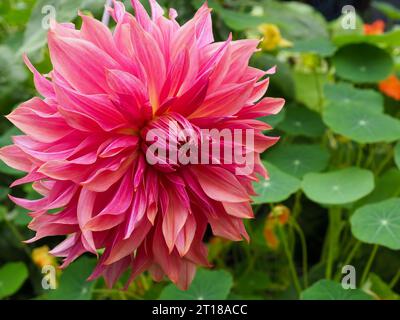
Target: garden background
(333, 195)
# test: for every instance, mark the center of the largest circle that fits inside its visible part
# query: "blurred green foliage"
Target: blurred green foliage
(335, 169)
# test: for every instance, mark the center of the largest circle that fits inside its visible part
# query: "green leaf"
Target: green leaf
(4, 192)
(35, 36)
(12, 277)
(388, 39)
(275, 119)
(388, 9)
(253, 282)
(330, 290)
(320, 46)
(361, 124)
(207, 285)
(73, 284)
(309, 89)
(296, 20)
(298, 159)
(3, 212)
(338, 187)
(397, 154)
(363, 63)
(378, 223)
(387, 186)
(345, 94)
(278, 188)
(336, 27)
(300, 121)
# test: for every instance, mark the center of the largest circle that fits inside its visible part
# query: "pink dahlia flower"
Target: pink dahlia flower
(84, 146)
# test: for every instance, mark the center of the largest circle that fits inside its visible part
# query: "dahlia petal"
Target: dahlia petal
(169, 263)
(156, 10)
(228, 227)
(149, 55)
(30, 177)
(59, 197)
(140, 263)
(186, 235)
(219, 184)
(259, 90)
(15, 158)
(44, 128)
(118, 145)
(118, 12)
(112, 214)
(141, 15)
(43, 86)
(86, 202)
(137, 212)
(64, 170)
(107, 176)
(186, 274)
(202, 19)
(77, 61)
(221, 103)
(240, 210)
(126, 247)
(175, 218)
(89, 108)
(114, 271)
(191, 99)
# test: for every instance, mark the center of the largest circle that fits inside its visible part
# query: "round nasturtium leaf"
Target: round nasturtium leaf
(319, 45)
(386, 186)
(361, 124)
(278, 188)
(12, 277)
(345, 94)
(73, 284)
(207, 285)
(363, 63)
(330, 290)
(338, 187)
(300, 121)
(397, 154)
(298, 159)
(378, 223)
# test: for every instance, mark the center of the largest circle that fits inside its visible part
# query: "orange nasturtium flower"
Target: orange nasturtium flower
(279, 216)
(377, 27)
(391, 87)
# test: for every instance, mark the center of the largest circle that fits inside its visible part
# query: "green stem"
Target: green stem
(350, 257)
(369, 264)
(289, 256)
(395, 279)
(360, 155)
(371, 157)
(297, 205)
(334, 230)
(384, 162)
(304, 251)
(319, 90)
